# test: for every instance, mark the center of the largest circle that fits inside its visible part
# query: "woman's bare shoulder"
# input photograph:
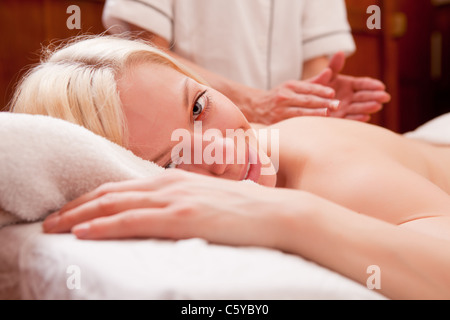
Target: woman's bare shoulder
(326, 124)
(333, 130)
(302, 122)
(317, 131)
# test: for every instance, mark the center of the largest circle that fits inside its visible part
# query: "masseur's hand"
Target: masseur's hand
(359, 97)
(180, 205)
(292, 99)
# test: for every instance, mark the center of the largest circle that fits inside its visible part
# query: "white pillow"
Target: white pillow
(47, 162)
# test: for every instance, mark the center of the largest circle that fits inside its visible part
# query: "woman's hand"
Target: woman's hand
(180, 205)
(291, 99)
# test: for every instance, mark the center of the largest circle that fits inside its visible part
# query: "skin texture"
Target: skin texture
(349, 195)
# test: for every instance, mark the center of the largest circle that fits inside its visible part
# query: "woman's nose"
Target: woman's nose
(216, 169)
(210, 155)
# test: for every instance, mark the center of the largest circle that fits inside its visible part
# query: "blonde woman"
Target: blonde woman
(347, 195)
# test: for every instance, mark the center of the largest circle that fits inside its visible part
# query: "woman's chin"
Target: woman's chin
(266, 176)
(268, 180)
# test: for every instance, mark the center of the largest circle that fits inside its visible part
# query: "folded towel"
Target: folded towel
(436, 131)
(47, 162)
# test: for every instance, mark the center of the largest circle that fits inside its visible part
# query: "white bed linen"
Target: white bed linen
(436, 131)
(34, 265)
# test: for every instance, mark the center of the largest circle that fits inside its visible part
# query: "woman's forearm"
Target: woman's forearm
(412, 265)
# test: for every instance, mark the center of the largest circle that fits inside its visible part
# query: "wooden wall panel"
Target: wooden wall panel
(21, 25)
(27, 25)
(375, 55)
(441, 65)
(400, 54)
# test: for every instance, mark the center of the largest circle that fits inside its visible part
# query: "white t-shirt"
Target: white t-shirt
(260, 43)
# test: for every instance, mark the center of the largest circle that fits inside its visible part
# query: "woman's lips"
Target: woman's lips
(254, 166)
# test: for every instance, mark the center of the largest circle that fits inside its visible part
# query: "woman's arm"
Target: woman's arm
(412, 265)
(181, 205)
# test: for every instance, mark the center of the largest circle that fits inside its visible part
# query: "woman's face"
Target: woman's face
(176, 122)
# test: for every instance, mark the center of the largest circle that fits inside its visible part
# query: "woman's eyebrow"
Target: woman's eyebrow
(186, 93)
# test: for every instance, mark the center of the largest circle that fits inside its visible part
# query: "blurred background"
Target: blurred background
(410, 53)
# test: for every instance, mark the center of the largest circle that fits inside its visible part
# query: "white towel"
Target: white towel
(47, 162)
(436, 131)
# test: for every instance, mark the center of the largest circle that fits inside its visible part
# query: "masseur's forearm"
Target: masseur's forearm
(313, 67)
(413, 266)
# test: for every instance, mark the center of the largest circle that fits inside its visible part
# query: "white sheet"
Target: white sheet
(436, 131)
(34, 266)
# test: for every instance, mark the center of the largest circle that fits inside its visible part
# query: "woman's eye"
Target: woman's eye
(174, 162)
(171, 165)
(199, 106)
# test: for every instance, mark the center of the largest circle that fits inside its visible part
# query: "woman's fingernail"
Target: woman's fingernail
(81, 230)
(322, 112)
(51, 216)
(50, 223)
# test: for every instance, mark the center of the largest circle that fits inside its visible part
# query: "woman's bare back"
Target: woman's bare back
(365, 168)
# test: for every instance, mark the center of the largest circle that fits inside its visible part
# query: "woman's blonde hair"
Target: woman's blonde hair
(77, 82)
